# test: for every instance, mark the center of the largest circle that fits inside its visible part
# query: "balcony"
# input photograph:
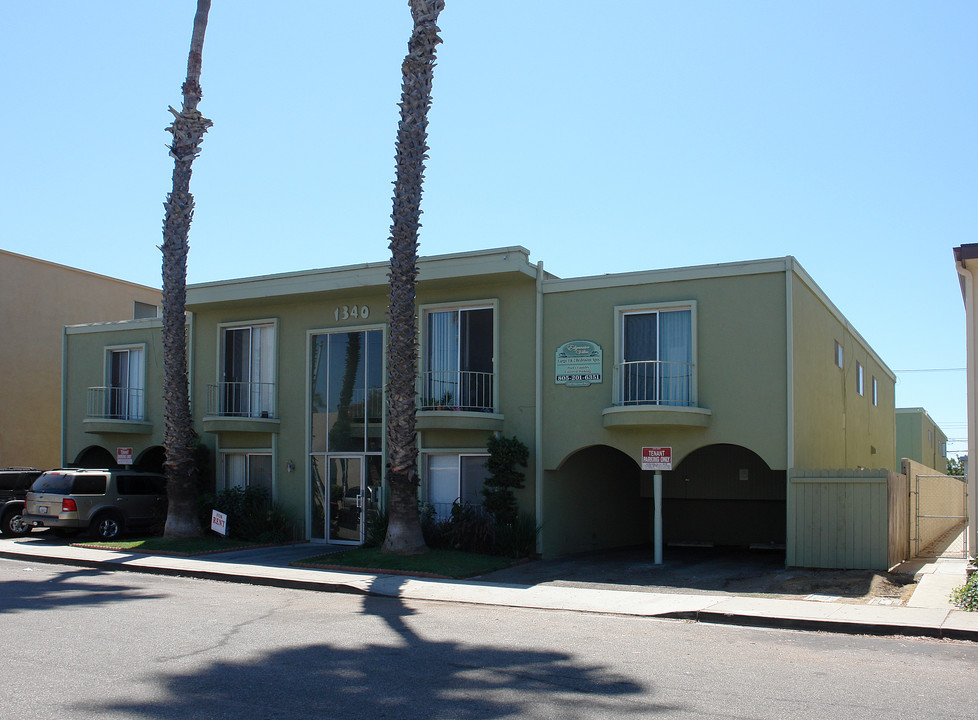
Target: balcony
(654, 392)
(241, 407)
(116, 410)
(458, 400)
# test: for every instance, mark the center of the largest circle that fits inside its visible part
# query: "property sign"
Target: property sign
(578, 363)
(657, 458)
(219, 522)
(123, 456)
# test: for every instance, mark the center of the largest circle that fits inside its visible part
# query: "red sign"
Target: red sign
(123, 456)
(657, 458)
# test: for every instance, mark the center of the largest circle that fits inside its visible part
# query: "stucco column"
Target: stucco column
(967, 257)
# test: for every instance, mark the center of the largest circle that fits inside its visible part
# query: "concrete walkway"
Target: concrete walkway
(928, 613)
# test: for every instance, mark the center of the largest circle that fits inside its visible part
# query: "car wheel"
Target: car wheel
(13, 523)
(106, 526)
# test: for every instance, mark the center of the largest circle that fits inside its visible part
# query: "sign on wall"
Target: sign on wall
(578, 363)
(123, 456)
(657, 458)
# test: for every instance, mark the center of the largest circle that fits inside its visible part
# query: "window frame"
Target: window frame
(620, 311)
(478, 304)
(839, 355)
(876, 392)
(458, 454)
(247, 454)
(860, 379)
(220, 376)
(109, 353)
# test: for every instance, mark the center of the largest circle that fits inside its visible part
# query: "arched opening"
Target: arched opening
(724, 495)
(95, 456)
(150, 460)
(595, 502)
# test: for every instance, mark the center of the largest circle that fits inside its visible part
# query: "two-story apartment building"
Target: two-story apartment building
(745, 370)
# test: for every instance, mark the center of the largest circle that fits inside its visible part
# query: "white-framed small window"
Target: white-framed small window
(860, 378)
(247, 469)
(124, 382)
(839, 355)
(247, 370)
(454, 478)
(876, 393)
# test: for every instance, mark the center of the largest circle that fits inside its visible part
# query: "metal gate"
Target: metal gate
(940, 513)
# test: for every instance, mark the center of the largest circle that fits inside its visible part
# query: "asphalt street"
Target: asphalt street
(101, 643)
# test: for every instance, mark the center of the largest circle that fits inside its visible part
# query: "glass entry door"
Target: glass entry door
(345, 483)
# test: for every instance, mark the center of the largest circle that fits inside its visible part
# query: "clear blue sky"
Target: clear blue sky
(605, 137)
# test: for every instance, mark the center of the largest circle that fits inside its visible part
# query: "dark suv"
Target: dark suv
(104, 502)
(14, 484)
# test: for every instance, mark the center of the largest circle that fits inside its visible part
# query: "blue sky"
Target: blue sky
(605, 137)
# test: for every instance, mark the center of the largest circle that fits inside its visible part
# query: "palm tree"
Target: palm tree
(404, 528)
(179, 439)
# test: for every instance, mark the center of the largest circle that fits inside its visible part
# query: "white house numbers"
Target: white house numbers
(351, 312)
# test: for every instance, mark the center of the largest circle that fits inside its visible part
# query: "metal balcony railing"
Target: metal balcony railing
(457, 390)
(241, 399)
(653, 382)
(116, 403)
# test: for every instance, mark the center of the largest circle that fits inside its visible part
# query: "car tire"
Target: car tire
(13, 524)
(107, 526)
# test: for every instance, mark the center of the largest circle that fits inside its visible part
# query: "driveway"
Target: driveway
(733, 571)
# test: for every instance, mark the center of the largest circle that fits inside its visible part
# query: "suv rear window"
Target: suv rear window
(62, 484)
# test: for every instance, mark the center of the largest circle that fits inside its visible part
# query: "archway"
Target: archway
(724, 495)
(150, 460)
(95, 457)
(594, 501)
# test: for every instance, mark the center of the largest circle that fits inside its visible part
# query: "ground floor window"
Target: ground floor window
(247, 470)
(454, 477)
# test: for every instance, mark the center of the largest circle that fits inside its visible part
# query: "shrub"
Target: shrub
(966, 596)
(517, 539)
(251, 514)
(505, 454)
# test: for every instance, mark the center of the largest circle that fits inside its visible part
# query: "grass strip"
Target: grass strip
(441, 563)
(172, 546)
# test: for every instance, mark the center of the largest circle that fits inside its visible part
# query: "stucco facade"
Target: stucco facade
(732, 366)
(966, 264)
(39, 299)
(919, 438)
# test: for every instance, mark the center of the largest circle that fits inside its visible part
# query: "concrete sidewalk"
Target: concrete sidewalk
(927, 614)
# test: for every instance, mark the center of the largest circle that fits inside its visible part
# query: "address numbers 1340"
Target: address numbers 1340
(345, 312)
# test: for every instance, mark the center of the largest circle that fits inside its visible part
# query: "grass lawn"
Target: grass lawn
(445, 563)
(173, 546)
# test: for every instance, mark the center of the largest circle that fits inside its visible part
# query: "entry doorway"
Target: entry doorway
(352, 484)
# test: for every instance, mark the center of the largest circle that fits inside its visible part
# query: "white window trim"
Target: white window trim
(860, 379)
(622, 310)
(247, 452)
(457, 453)
(107, 371)
(489, 303)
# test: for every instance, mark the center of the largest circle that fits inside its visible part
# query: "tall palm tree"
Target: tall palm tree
(404, 528)
(188, 130)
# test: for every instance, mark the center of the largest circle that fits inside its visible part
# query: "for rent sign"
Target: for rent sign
(657, 458)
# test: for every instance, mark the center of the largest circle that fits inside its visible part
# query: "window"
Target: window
(452, 478)
(458, 360)
(247, 387)
(124, 384)
(876, 393)
(839, 359)
(142, 310)
(859, 378)
(248, 470)
(656, 358)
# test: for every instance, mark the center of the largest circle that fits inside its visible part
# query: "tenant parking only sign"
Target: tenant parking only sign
(657, 458)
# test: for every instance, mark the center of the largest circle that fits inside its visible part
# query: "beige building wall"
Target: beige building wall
(966, 263)
(38, 299)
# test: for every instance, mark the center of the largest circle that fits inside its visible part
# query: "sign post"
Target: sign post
(657, 459)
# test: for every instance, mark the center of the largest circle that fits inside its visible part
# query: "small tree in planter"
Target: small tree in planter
(505, 455)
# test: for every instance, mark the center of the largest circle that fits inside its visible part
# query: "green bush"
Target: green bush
(251, 514)
(505, 456)
(517, 539)
(966, 596)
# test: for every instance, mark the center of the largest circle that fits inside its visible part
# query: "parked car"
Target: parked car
(104, 502)
(14, 484)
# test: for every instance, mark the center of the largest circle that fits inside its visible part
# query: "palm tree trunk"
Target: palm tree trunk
(404, 527)
(188, 130)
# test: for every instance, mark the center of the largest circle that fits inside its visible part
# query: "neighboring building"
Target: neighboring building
(920, 439)
(966, 263)
(744, 369)
(38, 299)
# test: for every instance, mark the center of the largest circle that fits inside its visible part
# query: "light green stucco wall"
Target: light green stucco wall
(834, 426)
(918, 438)
(84, 367)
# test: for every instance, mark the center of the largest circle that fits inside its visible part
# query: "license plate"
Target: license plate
(43, 509)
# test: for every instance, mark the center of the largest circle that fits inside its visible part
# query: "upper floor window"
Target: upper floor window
(458, 366)
(860, 377)
(247, 386)
(839, 356)
(124, 384)
(656, 365)
(876, 393)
